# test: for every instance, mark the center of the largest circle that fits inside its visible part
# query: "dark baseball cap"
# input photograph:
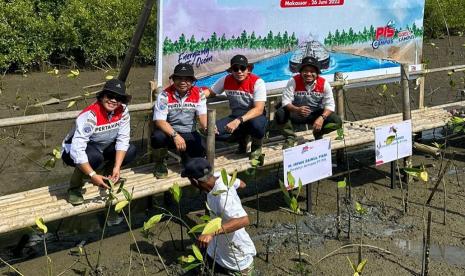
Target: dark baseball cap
(197, 168)
(310, 61)
(239, 60)
(183, 70)
(116, 87)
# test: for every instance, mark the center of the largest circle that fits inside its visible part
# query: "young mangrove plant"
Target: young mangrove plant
(361, 212)
(43, 228)
(292, 201)
(176, 193)
(148, 235)
(358, 269)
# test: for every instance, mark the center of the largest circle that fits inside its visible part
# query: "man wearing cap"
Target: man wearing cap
(230, 249)
(307, 99)
(246, 93)
(175, 115)
(100, 138)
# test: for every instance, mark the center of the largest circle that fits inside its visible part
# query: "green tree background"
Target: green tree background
(245, 40)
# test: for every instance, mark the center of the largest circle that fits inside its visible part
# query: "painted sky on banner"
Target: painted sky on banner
(200, 19)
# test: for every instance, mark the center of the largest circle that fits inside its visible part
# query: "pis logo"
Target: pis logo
(384, 35)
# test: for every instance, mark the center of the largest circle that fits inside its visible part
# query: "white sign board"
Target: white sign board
(393, 142)
(309, 162)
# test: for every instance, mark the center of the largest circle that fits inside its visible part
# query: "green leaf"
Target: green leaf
(331, 126)
(437, 145)
(56, 153)
(359, 208)
(342, 183)
(188, 259)
(121, 188)
(120, 205)
(390, 139)
(205, 218)
(299, 189)
(340, 133)
(290, 180)
(152, 221)
(70, 104)
(458, 129)
(50, 164)
(457, 120)
(361, 266)
(219, 192)
(176, 192)
(233, 179)
(384, 88)
(224, 176)
(212, 226)
(126, 194)
(294, 205)
(198, 228)
(351, 264)
(285, 192)
(109, 77)
(423, 176)
(254, 163)
(197, 253)
(73, 74)
(415, 172)
(53, 72)
(191, 266)
(41, 224)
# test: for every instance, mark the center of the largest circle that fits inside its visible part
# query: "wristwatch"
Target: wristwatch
(91, 174)
(323, 116)
(174, 134)
(240, 119)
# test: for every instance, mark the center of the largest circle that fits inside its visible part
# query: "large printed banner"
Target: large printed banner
(360, 38)
(309, 162)
(393, 142)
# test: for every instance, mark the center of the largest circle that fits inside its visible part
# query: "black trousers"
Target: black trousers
(194, 144)
(97, 158)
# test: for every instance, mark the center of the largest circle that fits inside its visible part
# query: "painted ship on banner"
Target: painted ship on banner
(311, 48)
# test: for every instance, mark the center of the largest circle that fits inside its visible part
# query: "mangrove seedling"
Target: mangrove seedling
(292, 202)
(43, 228)
(176, 193)
(358, 269)
(361, 212)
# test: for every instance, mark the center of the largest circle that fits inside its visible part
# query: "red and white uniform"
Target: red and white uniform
(241, 95)
(95, 125)
(317, 95)
(180, 112)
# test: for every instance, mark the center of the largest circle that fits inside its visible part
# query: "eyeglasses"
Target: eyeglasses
(237, 68)
(186, 79)
(115, 97)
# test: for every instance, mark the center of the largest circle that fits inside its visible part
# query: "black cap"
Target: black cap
(197, 168)
(117, 87)
(239, 60)
(183, 70)
(310, 61)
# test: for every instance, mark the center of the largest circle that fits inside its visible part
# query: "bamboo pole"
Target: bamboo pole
(339, 77)
(421, 92)
(211, 117)
(406, 115)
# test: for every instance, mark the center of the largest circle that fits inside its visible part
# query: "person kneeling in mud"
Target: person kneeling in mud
(175, 117)
(230, 250)
(307, 99)
(99, 140)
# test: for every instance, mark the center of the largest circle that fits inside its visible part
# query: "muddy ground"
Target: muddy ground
(24, 151)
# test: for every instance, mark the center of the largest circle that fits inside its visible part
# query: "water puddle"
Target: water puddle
(453, 255)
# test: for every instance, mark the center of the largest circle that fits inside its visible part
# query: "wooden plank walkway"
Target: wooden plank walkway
(19, 210)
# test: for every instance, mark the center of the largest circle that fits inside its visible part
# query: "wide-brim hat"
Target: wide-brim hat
(197, 168)
(184, 70)
(117, 87)
(310, 61)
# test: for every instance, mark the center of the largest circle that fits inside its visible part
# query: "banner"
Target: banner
(359, 38)
(393, 142)
(309, 162)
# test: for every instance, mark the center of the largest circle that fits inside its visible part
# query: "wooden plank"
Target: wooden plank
(21, 209)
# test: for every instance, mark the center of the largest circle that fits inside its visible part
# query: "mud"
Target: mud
(384, 226)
